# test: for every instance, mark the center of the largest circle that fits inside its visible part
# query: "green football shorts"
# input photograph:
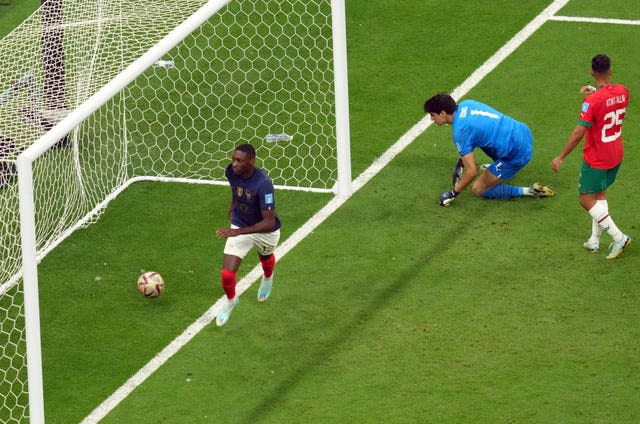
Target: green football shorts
(594, 181)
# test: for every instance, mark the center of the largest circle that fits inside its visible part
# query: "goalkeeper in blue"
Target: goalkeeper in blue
(506, 141)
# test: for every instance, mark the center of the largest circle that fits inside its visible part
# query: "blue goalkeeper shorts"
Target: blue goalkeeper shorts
(507, 168)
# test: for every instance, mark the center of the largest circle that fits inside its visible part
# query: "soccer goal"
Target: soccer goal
(98, 94)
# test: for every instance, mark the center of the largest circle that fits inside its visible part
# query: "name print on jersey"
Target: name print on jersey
(616, 100)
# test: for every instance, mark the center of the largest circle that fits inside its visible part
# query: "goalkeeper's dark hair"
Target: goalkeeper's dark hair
(600, 63)
(440, 102)
(248, 149)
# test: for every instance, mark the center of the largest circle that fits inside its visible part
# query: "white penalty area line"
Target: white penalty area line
(123, 391)
(595, 20)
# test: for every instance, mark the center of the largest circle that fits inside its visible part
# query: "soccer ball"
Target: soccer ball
(150, 284)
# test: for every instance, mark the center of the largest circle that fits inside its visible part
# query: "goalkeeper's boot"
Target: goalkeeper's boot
(225, 313)
(265, 288)
(538, 190)
(618, 246)
(593, 247)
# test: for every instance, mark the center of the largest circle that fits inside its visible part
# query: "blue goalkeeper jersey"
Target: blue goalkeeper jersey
(251, 197)
(477, 125)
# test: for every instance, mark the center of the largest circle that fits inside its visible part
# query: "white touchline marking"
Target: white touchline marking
(205, 319)
(595, 20)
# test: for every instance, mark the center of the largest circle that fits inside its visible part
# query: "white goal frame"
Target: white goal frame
(24, 162)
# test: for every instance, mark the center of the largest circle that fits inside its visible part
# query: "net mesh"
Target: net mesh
(258, 71)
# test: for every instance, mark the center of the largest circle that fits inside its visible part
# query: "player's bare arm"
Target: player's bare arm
(266, 225)
(587, 89)
(574, 139)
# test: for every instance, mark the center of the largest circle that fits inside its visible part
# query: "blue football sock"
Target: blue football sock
(504, 191)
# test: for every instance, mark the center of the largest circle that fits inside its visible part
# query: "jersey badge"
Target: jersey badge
(585, 107)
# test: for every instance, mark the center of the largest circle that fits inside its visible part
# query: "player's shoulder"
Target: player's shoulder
(609, 88)
(228, 171)
(621, 89)
(471, 103)
(261, 177)
(466, 108)
(614, 88)
(260, 173)
(607, 92)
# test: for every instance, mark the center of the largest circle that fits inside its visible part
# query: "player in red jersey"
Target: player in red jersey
(601, 116)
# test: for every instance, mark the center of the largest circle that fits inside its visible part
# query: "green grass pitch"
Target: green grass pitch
(394, 309)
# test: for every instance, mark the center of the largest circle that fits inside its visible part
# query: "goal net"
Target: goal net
(98, 94)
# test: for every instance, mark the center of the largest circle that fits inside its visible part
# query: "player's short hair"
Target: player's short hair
(440, 102)
(248, 149)
(600, 63)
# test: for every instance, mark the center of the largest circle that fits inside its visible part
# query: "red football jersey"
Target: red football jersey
(603, 112)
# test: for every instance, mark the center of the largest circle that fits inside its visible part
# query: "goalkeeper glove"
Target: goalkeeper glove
(447, 197)
(458, 170)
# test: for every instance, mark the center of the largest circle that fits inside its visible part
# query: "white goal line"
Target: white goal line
(205, 319)
(595, 20)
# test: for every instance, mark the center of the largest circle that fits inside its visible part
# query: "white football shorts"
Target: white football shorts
(239, 246)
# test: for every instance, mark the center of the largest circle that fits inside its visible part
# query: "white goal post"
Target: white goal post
(99, 94)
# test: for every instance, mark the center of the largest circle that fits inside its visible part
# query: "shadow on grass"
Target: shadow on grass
(378, 301)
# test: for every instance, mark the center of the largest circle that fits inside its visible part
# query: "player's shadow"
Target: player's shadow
(350, 329)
